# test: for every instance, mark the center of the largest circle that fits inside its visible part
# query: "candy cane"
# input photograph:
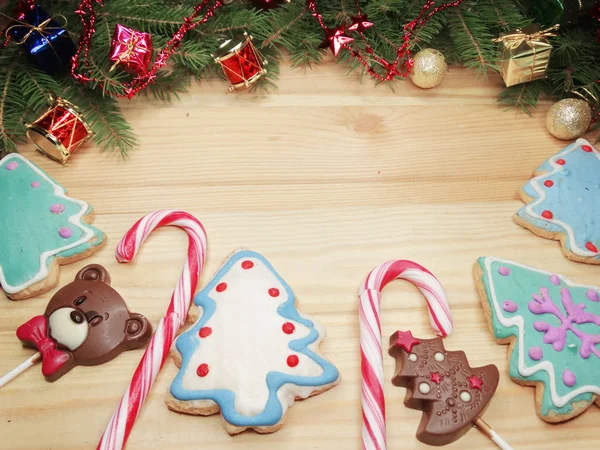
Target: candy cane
(373, 402)
(118, 430)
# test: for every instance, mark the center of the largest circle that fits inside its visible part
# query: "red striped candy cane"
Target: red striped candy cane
(120, 425)
(373, 402)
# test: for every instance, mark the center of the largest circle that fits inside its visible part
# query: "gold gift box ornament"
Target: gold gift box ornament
(525, 54)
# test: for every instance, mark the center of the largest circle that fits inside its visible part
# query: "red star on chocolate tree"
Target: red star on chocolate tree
(436, 377)
(335, 38)
(406, 340)
(475, 382)
(360, 24)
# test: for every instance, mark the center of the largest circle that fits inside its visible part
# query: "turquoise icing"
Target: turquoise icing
(28, 226)
(188, 342)
(573, 199)
(519, 286)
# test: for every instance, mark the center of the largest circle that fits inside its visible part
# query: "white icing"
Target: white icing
(424, 388)
(518, 321)
(535, 185)
(247, 342)
(439, 357)
(465, 396)
(75, 220)
(66, 332)
(412, 357)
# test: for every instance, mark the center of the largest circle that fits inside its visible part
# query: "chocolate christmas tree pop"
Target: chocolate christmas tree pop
(441, 383)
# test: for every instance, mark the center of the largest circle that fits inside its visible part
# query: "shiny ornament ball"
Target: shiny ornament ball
(429, 68)
(569, 118)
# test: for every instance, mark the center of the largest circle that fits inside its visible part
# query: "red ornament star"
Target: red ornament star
(436, 377)
(406, 340)
(360, 24)
(475, 382)
(335, 38)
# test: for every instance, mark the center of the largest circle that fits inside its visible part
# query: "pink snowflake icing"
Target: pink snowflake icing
(575, 315)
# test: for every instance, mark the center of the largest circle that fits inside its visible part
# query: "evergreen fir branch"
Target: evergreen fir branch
(524, 96)
(7, 144)
(472, 40)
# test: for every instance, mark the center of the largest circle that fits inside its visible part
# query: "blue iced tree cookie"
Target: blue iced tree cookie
(251, 354)
(553, 328)
(563, 202)
(41, 228)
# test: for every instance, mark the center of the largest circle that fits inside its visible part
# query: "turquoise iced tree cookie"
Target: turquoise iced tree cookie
(563, 201)
(553, 326)
(251, 354)
(41, 227)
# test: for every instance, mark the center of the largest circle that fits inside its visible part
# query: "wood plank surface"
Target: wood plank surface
(327, 178)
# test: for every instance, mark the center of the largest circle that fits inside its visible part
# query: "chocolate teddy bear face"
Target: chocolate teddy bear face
(89, 320)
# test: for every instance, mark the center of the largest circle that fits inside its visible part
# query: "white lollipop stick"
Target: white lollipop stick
(485, 428)
(20, 369)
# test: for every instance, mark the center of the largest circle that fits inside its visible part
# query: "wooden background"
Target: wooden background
(327, 178)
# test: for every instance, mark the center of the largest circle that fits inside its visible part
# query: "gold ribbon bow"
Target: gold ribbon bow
(41, 28)
(519, 36)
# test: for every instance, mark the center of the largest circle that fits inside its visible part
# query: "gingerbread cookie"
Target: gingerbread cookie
(41, 227)
(441, 383)
(86, 323)
(563, 202)
(553, 328)
(251, 354)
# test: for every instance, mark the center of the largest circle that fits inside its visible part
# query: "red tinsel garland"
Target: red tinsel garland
(337, 39)
(88, 19)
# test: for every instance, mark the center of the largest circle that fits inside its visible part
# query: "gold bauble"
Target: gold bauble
(429, 68)
(569, 118)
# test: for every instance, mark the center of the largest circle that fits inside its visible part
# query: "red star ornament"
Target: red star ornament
(436, 377)
(406, 340)
(335, 38)
(360, 24)
(475, 382)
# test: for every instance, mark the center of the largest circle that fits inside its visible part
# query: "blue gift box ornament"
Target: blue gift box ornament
(45, 40)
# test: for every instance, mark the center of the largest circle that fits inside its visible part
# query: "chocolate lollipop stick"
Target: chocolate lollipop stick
(20, 369)
(485, 428)
(441, 383)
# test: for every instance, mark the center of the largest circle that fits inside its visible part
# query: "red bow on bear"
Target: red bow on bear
(36, 332)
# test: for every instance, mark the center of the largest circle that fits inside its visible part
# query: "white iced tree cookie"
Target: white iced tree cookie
(251, 354)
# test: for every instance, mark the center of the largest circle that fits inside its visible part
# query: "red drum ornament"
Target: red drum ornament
(60, 131)
(241, 62)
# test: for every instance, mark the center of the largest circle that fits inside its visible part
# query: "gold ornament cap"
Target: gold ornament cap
(569, 118)
(429, 68)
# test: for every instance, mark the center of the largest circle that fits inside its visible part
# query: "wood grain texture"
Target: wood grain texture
(327, 178)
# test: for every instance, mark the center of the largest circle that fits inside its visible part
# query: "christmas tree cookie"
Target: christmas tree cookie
(251, 354)
(563, 202)
(41, 227)
(553, 328)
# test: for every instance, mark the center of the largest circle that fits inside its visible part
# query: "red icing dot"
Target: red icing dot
(205, 332)
(202, 370)
(274, 292)
(547, 214)
(548, 183)
(288, 328)
(586, 148)
(560, 161)
(591, 247)
(221, 287)
(292, 360)
(247, 265)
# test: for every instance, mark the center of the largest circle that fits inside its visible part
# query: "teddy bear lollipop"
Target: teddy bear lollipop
(86, 323)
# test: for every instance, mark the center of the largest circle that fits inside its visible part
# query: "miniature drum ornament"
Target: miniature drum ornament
(59, 131)
(241, 62)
